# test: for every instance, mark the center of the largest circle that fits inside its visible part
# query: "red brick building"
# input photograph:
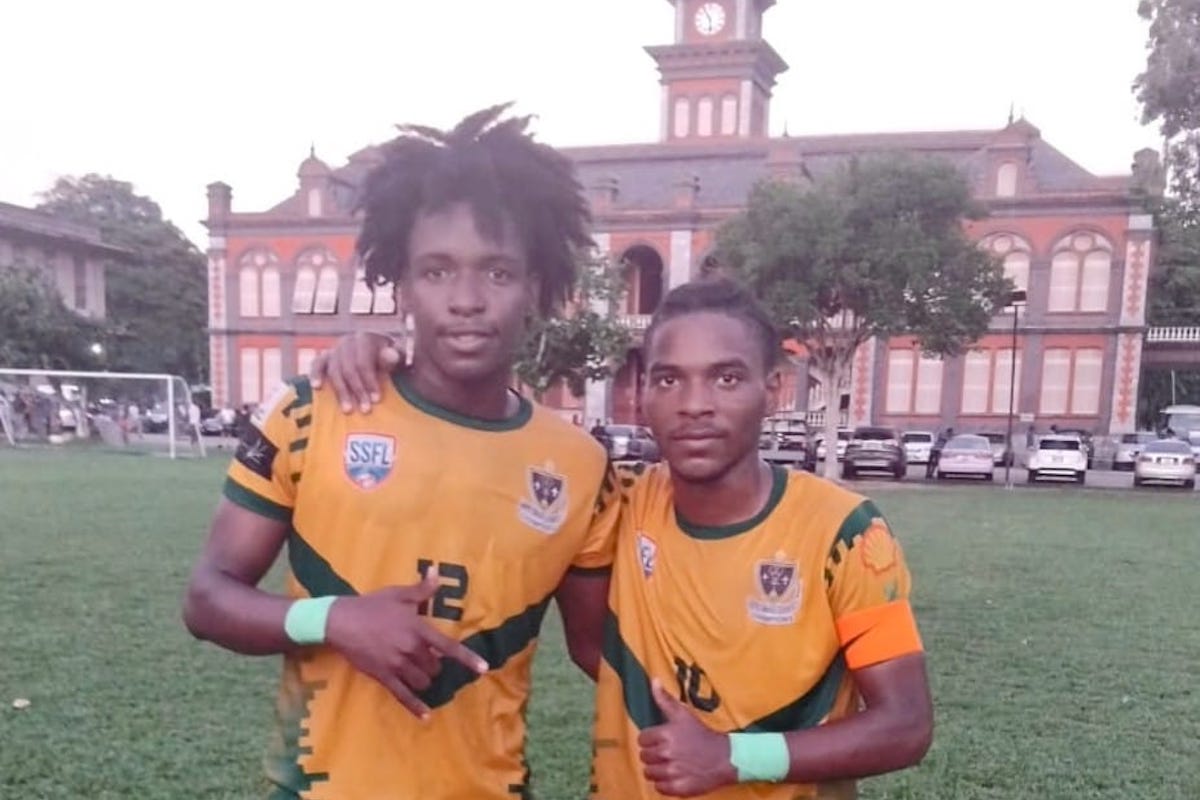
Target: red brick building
(283, 282)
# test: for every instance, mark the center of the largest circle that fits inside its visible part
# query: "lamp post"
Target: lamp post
(1016, 298)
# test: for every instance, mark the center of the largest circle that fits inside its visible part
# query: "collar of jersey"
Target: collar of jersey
(517, 420)
(779, 481)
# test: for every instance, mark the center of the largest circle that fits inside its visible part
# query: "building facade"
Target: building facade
(283, 283)
(72, 256)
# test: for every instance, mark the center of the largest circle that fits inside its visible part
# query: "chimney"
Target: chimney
(220, 200)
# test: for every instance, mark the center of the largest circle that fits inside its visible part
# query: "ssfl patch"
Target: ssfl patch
(369, 458)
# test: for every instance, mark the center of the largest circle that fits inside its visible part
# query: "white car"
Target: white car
(1166, 461)
(918, 446)
(967, 455)
(843, 440)
(1058, 456)
(1129, 447)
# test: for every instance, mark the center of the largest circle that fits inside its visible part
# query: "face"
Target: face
(707, 391)
(468, 295)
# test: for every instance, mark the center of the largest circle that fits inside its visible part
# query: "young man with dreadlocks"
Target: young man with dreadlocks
(426, 539)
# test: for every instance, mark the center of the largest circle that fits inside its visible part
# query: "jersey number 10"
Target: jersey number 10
(447, 601)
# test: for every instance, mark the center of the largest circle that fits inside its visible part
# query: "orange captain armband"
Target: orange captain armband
(881, 633)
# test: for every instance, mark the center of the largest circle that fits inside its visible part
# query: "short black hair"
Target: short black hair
(495, 166)
(719, 296)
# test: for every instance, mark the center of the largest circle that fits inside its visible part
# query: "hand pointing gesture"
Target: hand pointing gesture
(382, 635)
(683, 757)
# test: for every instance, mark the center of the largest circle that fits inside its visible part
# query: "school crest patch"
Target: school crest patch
(545, 506)
(777, 589)
(647, 554)
(369, 458)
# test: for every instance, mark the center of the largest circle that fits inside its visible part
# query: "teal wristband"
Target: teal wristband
(305, 620)
(759, 756)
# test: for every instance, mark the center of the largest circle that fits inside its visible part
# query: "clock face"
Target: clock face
(710, 19)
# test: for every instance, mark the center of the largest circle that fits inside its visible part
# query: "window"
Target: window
(304, 359)
(1064, 282)
(683, 118)
(253, 267)
(977, 371)
(729, 112)
(314, 202)
(899, 381)
(270, 292)
(251, 387)
(81, 283)
(371, 299)
(1080, 274)
(327, 291)
(704, 117)
(248, 291)
(1016, 269)
(1006, 180)
(1085, 383)
(1056, 373)
(1093, 289)
(306, 289)
(914, 383)
(928, 398)
(1002, 374)
(272, 368)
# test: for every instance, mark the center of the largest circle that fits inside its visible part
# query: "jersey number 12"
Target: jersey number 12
(447, 601)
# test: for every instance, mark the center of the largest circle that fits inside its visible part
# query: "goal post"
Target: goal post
(170, 400)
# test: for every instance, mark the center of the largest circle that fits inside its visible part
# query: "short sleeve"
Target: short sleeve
(266, 467)
(599, 548)
(868, 585)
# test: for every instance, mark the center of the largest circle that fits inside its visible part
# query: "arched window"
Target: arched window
(314, 202)
(1080, 273)
(1014, 251)
(258, 283)
(316, 290)
(1006, 180)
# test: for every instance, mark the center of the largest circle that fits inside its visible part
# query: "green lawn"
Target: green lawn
(1061, 629)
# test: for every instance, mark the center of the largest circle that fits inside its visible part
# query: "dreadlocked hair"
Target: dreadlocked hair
(494, 166)
(719, 296)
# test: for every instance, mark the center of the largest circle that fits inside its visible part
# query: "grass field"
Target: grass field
(1061, 627)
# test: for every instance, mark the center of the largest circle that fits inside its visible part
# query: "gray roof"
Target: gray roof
(39, 224)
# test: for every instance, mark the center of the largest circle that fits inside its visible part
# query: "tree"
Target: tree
(157, 302)
(37, 330)
(877, 248)
(1169, 91)
(583, 344)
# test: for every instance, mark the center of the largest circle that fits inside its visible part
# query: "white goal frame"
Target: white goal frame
(172, 428)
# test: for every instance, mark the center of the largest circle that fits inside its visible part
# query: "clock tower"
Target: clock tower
(718, 75)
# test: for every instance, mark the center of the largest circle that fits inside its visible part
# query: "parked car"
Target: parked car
(630, 443)
(843, 435)
(784, 440)
(967, 455)
(1129, 447)
(1002, 452)
(1166, 461)
(1058, 456)
(156, 420)
(918, 446)
(874, 449)
(1085, 437)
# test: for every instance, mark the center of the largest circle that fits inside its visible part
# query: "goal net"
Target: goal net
(131, 412)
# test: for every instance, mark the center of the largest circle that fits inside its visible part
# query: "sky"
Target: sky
(172, 96)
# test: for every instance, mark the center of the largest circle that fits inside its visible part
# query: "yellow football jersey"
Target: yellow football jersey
(755, 626)
(501, 510)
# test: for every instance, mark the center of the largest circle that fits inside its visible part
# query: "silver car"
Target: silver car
(1166, 461)
(1129, 447)
(967, 455)
(918, 445)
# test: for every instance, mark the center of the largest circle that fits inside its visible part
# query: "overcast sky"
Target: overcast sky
(172, 96)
